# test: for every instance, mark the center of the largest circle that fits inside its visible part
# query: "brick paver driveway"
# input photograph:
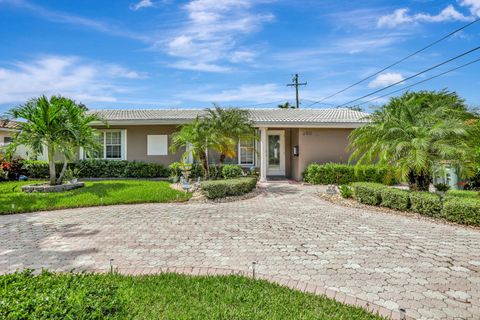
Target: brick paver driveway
(432, 270)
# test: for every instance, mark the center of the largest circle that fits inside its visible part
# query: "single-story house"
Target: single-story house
(7, 130)
(289, 139)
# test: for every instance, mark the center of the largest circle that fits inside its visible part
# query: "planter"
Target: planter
(49, 188)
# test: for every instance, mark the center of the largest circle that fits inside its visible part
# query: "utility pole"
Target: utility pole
(296, 84)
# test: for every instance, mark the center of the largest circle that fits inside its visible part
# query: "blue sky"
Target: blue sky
(184, 54)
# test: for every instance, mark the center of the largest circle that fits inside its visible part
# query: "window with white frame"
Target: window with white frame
(112, 145)
(246, 152)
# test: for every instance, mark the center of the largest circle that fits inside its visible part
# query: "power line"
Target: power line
(413, 76)
(399, 61)
(420, 82)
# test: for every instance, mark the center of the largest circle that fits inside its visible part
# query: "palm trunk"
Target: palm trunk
(51, 165)
(206, 169)
(220, 164)
(62, 173)
(418, 182)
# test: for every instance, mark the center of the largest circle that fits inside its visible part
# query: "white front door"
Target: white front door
(276, 153)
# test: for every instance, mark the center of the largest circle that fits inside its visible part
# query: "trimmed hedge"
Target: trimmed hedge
(462, 210)
(458, 206)
(395, 198)
(229, 187)
(101, 169)
(426, 203)
(333, 173)
(230, 171)
(368, 192)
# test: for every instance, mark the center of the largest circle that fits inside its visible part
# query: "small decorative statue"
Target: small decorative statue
(331, 189)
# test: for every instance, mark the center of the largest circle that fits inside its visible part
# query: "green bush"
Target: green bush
(230, 171)
(333, 173)
(462, 210)
(464, 194)
(214, 189)
(101, 169)
(426, 203)
(67, 296)
(346, 191)
(395, 198)
(368, 192)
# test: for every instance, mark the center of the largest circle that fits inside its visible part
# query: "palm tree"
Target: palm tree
(286, 105)
(195, 138)
(416, 132)
(57, 125)
(228, 127)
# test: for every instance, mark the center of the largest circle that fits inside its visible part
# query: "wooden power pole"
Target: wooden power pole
(296, 84)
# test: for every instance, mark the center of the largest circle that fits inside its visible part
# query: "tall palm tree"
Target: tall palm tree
(195, 138)
(57, 125)
(416, 132)
(229, 125)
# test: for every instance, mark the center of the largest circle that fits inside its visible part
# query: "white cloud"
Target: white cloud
(473, 5)
(200, 66)
(142, 4)
(386, 79)
(252, 93)
(75, 20)
(212, 32)
(70, 76)
(402, 17)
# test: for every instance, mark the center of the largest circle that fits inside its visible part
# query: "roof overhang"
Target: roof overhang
(259, 124)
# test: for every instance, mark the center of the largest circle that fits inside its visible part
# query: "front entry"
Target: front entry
(276, 153)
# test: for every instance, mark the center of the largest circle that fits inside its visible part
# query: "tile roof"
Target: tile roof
(258, 116)
(8, 124)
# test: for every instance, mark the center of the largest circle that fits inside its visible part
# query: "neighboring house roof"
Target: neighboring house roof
(261, 117)
(8, 125)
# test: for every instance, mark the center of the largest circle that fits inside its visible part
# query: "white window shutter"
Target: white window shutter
(157, 145)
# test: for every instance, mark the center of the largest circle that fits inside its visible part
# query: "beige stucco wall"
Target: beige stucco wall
(137, 143)
(315, 145)
(321, 145)
(294, 141)
(4, 134)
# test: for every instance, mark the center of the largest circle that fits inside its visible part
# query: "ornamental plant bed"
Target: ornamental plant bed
(45, 187)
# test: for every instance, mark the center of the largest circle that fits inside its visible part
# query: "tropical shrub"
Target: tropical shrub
(462, 210)
(426, 203)
(11, 169)
(333, 173)
(231, 171)
(415, 131)
(214, 189)
(368, 192)
(441, 187)
(395, 198)
(345, 191)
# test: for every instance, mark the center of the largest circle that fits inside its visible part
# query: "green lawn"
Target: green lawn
(95, 193)
(164, 296)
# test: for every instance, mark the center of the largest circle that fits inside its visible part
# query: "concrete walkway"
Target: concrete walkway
(430, 269)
